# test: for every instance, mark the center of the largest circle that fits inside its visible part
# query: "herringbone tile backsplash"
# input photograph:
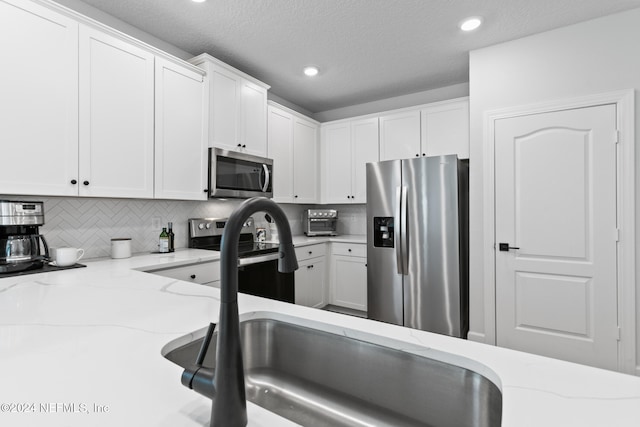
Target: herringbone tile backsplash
(91, 223)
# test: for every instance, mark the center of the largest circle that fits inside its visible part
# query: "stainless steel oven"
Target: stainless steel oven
(233, 174)
(258, 261)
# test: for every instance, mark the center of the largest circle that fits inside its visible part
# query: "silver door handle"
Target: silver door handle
(257, 259)
(403, 231)
(267, 177)
(398, 233)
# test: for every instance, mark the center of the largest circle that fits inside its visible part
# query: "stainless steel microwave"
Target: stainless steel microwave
(233, 174)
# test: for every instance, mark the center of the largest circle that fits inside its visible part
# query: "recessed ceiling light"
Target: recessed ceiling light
(310, 71)
(198, 1)
(471, 24)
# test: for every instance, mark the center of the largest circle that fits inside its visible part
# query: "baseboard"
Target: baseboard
(478, 337)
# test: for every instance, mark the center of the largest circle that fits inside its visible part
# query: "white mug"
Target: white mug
(65, 257)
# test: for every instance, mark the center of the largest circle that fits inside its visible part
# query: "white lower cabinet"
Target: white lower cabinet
(348, 287)
(204, 273)
(310, 278)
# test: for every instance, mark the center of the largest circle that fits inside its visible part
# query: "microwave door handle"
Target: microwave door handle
(267, 177)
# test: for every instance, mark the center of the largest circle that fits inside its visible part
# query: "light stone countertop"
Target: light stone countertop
(82, 347)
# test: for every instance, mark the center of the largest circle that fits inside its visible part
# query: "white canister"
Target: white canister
(121, 247)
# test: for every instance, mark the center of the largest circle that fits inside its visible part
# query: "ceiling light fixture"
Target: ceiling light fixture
(198, 1)
(310, 71)
(471, 23)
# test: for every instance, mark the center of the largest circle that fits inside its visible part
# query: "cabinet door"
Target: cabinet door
(310, 283)
(445, 129)
(38, 101)
(116, 117)
(253, 119)
(224, 108)
(305, 159)
(349, 282)
(364, 146)
(336, 141)
(180, 139)
(400, 136)
(280, 149)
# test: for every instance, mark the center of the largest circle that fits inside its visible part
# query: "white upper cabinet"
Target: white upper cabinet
(429, 130)
(336, 146)
(180, 133)
(445, 128)
(364, 149)
(400, 135)
(293, 146)
(237, 108)
(280, 149)
(38, 103)
(305, 161)
(116, 117)
(347, 147)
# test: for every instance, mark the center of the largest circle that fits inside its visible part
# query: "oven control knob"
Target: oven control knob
(208, 225)
(201, 226)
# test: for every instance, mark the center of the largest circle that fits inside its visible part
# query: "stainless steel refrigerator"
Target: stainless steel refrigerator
(417, 243)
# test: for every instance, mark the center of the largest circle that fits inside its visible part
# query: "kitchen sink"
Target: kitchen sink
(314, 377)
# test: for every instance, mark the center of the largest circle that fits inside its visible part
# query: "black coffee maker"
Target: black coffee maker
(22, 247)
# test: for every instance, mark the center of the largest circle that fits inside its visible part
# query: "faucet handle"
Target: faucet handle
(205, 344)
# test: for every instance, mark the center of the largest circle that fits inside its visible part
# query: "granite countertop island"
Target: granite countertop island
(82, 347)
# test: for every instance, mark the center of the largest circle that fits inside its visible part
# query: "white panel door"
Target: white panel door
(280, 149)
(555, 176)
(305, 159)
(116, 117)
(38, 100)
(349, 282)
(253, 119)
(400, 136)
(364, 146)
(181, 133)
(445, 129)
(336, 140)
(224, 109)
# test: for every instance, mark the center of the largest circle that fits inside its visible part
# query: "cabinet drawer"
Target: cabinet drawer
(197, 273)
(349, 249)
(311, 251)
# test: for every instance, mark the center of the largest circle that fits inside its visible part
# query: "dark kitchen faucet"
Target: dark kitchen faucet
(225, 384)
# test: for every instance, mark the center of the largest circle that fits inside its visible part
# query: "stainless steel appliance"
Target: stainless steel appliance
(233, 174)
(22, 247)
(320, 222)
(417, 243)
(258, 261)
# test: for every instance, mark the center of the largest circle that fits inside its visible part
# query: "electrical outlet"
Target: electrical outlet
(156, 222)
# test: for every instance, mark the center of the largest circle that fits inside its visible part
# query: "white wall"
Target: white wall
(592, 57)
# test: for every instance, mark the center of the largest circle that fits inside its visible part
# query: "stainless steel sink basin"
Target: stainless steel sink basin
(318, 378)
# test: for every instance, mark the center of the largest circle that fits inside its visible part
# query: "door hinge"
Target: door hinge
(616, 136)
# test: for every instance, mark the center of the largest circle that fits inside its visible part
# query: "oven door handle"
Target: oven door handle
(258, 258)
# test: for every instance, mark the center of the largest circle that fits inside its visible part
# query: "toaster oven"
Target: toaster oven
(320, 222)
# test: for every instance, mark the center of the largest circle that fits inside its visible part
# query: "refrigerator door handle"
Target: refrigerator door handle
(404, 239)
(398, 233)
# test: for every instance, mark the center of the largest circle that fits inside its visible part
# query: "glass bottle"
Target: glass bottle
(164, 241)
(172, 238)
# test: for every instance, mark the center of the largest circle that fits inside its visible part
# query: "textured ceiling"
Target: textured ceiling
(366, 49)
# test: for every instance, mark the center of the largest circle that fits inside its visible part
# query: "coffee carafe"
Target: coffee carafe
(22, 247)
